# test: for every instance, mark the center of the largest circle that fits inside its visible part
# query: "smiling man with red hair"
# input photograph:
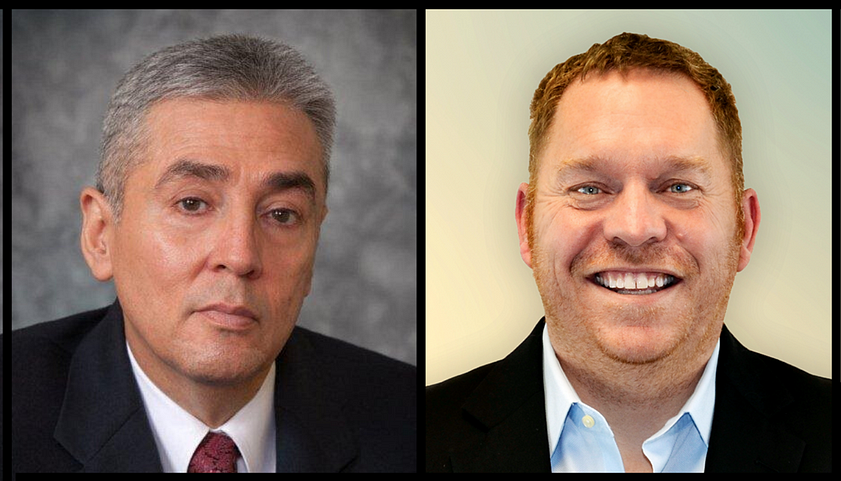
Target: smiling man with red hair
(635, 222)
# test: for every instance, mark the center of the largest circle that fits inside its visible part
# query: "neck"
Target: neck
(214, 405)
(635, 399)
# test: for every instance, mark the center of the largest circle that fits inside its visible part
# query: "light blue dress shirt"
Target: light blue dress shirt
(580, 440)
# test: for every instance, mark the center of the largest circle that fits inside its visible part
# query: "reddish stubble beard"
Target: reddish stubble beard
(656, 346)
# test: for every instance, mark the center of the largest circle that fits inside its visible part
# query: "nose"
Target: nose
(635, 218)
(236, 246)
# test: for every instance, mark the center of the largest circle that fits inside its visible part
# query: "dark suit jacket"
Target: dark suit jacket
(768, 416)
(76, 406)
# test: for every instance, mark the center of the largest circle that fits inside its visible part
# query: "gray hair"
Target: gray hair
(228, 67)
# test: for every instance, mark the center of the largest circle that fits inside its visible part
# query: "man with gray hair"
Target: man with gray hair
(210, 196)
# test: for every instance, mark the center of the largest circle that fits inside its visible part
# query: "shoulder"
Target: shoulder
(785, 383)
(376, 394)
(364, 377)
(41, 353)
(801, 383)
(764, 376)
(40, 362)
(460, 411)
(513, 378)
(360, 364)
(790, 407)
(62, 335)
(447, 426)
(446, 398)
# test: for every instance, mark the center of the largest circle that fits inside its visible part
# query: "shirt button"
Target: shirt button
(588, 421)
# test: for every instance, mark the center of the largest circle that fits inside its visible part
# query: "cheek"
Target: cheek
(287, 269)
(176, 251)
(152, 259)
(706, 233)
(560, 236)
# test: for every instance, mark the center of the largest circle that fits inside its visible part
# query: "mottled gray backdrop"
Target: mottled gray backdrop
(65, 65)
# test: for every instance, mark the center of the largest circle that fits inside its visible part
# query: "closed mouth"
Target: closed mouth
(230, 316)
(634, 283)
(229, 309)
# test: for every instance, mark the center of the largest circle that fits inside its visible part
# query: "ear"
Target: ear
(522, 223)
(97, 232)
(750, 206)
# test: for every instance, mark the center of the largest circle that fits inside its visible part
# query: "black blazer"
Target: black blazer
(769, 416)
(76, 406)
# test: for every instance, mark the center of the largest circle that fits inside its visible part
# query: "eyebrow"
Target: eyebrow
(276, 181)
(594, 164)
(191, 168)
(281, 181)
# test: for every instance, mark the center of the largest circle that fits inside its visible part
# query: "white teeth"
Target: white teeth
(634, 281)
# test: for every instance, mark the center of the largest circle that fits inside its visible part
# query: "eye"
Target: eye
(589, 190)
(192, 205)
(285, 217)
(680, 188)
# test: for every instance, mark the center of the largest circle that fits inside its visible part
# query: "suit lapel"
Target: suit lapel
(312, 432)
(509, 407)
(744, 436)
(102, 422)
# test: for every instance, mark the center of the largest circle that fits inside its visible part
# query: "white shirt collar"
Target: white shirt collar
(177, 433)
(560, 395)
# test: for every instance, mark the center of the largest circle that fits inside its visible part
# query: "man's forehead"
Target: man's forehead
(639, 117)
(218, 140)
(237, 122)
(638, 91)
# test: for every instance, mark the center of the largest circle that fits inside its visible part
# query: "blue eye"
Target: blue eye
(589, 190)
(680, 188)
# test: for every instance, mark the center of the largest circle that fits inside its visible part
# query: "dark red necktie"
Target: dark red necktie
(217, 453)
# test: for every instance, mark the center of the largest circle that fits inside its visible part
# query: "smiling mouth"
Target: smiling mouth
(635, 283)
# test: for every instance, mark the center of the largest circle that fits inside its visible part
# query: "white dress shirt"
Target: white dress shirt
(177, 433)
(580, 440)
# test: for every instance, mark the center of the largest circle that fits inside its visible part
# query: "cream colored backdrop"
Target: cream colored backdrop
(481, 72)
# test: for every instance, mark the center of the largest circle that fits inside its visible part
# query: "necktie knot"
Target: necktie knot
(217, 453)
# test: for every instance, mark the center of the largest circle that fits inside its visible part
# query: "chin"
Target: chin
(637, 344)
(222, 367)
